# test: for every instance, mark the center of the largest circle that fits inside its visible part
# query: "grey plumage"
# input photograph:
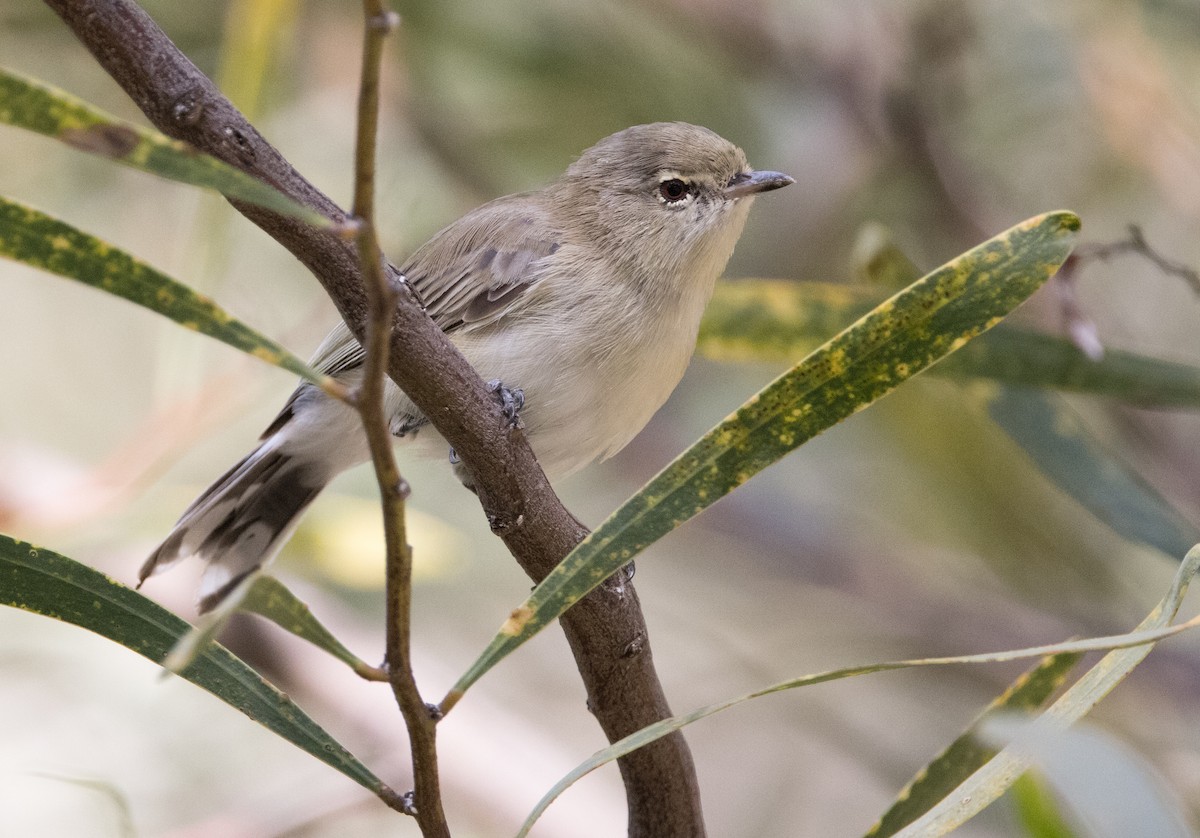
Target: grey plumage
(586, 295)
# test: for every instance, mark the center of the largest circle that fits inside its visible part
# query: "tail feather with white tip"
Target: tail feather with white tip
(240, 521)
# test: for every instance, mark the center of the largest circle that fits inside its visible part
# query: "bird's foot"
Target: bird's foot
(511, 402)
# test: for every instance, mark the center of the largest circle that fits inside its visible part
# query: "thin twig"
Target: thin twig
(426, 804)
(1078, 325)
(1137, 244)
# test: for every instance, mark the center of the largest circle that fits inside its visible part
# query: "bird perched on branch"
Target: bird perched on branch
(580, 302)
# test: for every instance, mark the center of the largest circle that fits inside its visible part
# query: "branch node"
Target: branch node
(435, 711)
(243, 148)
(385, 22)
(187, 110)
(634, 647)
(501, 524)
(408, 801)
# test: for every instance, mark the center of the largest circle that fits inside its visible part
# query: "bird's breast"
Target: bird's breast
(595, 360)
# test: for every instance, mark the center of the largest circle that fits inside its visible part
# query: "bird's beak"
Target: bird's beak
(751, 183)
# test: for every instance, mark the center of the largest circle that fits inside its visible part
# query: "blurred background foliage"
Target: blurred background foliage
(917, 528)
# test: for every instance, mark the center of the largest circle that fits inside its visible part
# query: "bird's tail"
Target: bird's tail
(240, 521)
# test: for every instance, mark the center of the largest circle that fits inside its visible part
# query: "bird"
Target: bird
(579, 302)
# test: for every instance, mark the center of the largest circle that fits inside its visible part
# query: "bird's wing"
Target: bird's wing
(463, 277)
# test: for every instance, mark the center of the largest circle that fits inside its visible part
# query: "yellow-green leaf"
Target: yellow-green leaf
(1137, 642)
(778, 320)
(254, 35)
(270, 598)
(43, 582)
(987, 784)
(901, 337)
(1106, 786)
(38, 240)
(1061, 447)
(27, 103)
(1038, 812)
(966, 753)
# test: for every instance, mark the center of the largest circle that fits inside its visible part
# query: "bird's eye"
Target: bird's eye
(673, 190)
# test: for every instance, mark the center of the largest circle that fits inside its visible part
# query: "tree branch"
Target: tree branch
(606, 630)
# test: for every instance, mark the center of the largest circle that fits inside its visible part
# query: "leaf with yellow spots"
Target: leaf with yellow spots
(899, 338)
(968, 752)
(43, 582)
(27, 103)
(1029, 691)
(776, 320)
(36, 239)
(969, 774)
(997, 775)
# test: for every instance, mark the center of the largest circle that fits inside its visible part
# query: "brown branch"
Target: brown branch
(606, 630)
(426, 804)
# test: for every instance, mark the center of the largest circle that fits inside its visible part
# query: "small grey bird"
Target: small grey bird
(585, 297)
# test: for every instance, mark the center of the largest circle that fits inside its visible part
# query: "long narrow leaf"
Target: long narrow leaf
(1057, 442)
(969, 751)
(36, 239)
(1110, 790)
(270, 598)
(43, 582)
(897, 340)
(780, 321)
(1037, 810)
(1137, 642)
(1063, 449)
(991, 781)
(27, 103)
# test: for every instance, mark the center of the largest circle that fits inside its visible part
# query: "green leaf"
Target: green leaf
(879, 260)
(27, 103)
(1037, 810)
(778, 320)
(110, 791)
(270, 598)
(1057, 442)
(43, 582)
(38, 240)
(1023, 358)
(1135, 641)
(901, 337)
(937, 779)
(1107, 787)
(255, 37)
(1063, 449)
(987, 784)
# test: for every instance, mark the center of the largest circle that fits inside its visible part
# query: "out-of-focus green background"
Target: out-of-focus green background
(914, 529)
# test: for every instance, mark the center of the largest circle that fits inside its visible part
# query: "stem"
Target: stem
(381, 299)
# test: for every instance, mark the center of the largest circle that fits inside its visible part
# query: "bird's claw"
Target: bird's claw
(511, 402)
